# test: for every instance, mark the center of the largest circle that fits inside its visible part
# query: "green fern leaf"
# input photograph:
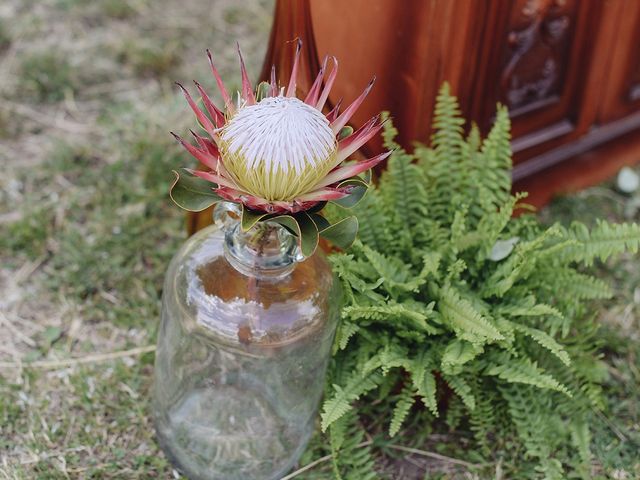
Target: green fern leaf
(424, 381)
(401, 410)
(341, 402)
(545, 340)
(459, 352)
(522, 370)
(601, 242)
(468, 323)
(462, 389)
(345, 332)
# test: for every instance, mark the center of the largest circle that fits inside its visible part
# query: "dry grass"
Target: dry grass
(86, 103)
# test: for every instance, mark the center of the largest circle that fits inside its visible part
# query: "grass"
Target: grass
(47, 76)
(148, 58)
(86, 226)
(86, 231)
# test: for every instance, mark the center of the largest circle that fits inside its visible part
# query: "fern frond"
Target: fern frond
(457, 353)
(374, 227)
(341, 401)
(390, 312)
(346, 330)
(401, 410)
(601, 242)
(403, 189)
(544, 340)
(352, 458)
(482, 419)
(424, 381)
(523, 370)
(568, 283)
(468, 323)
(462, 389)
(495, 184)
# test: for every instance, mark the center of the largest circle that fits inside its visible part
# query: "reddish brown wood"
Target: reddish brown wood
(550, 61)
(621, 96)
(292, 20)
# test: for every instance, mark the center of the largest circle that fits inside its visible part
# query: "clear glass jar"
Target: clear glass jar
(242, 351)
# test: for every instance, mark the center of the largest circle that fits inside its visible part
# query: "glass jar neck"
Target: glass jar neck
(267, 250)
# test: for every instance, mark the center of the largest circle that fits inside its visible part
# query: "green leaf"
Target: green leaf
(360, 186)
(545, 340)
(401, 410)
(51, 335)
(320, 221)
(250, 218)
(343, 233)
(353, 198)
(303, 227)
(523, 370)
(344, 132)
(459, 352)
(192, 193)
(462, 389)
(262, 91)
(340, 402)
(465, 320)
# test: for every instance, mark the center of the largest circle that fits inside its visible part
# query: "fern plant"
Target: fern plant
(450, 299)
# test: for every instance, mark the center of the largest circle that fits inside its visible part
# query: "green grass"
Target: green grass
(47, 76)
(148, 58)
(118, 9)
(5, 36)
(86, 225)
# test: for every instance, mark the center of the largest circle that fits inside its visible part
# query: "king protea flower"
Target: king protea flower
(277, 154)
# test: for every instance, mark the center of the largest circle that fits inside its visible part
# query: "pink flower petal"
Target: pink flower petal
(348, 171)
(342, 120)
(321, 195)
(206, 144)
(327, 87)
(223, 91)
(357, 139)
(214, 112)
(247, 91)
(214, 178)
(331, 116)
(314, 91)
(291, 89)
(203, 157)
(202, 118)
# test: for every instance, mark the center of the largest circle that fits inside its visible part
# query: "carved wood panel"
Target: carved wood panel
(535, 61)
(537, 51)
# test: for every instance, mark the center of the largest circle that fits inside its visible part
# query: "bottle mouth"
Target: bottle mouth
(266, 250)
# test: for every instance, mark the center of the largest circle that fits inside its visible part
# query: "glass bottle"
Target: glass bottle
(246, 333)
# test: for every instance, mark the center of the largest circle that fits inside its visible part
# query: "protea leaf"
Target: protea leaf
(302, 227)
(192, 193)
(342, 233)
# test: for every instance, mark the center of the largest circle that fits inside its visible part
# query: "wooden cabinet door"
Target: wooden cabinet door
(537, 55)
(621, 97)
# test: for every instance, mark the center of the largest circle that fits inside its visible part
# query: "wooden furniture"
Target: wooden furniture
(569, 71)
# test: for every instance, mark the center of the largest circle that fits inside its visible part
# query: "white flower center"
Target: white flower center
(278, 147)
(283, 132)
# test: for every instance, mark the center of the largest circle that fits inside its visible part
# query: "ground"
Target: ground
(86, 231)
